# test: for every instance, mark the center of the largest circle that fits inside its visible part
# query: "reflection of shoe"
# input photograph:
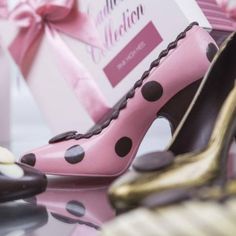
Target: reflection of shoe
(19, 181)
(85, 230)
(166, 89)
(201, 142)
(17, 217)
(86, 206)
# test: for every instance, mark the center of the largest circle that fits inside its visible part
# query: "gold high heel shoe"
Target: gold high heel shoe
(200, 143)
(193, 217)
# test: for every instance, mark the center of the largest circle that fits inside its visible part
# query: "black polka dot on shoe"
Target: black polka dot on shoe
(74, 154)
(152, 91)
(123, 146)
(75, 208)
(211, 51)
(29, 159)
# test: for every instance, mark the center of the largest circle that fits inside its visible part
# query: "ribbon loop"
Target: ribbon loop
(54, 10)
(24, 16)
(28, 12)
(62, 15)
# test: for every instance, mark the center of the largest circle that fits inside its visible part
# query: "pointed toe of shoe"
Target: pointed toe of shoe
(41, 158)
(55, 159)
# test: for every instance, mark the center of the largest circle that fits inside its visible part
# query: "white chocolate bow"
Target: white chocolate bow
(6, 156)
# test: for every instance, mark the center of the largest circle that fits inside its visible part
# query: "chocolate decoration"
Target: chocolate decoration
(29, 159)
(74, 154)
(154, 161)
(152, 91)
(33, 182)
(61, 137)
(123, 146)
(167, 198)
(75, 208)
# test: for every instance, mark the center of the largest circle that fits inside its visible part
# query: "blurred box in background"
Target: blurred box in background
(4, 87)
(133, 33)
(221, 24)
(4, 98)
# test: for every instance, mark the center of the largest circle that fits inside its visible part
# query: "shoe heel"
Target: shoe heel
(175, 109)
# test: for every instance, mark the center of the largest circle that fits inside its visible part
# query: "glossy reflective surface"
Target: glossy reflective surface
(70, 206)
(20, 218)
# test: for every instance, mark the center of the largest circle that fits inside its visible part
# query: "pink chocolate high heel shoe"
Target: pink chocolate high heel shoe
(166, 90)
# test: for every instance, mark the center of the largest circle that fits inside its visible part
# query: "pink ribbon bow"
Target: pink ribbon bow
(39, 18)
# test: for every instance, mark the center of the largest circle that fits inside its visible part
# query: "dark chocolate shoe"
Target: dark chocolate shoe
(19, 181)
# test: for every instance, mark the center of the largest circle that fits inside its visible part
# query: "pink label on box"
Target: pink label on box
(139, 47)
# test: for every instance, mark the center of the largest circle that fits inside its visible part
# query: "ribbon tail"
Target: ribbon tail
(77, 76)
(21, 45)
(80, 26)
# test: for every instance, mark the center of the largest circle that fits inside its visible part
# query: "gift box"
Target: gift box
(79, 58)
